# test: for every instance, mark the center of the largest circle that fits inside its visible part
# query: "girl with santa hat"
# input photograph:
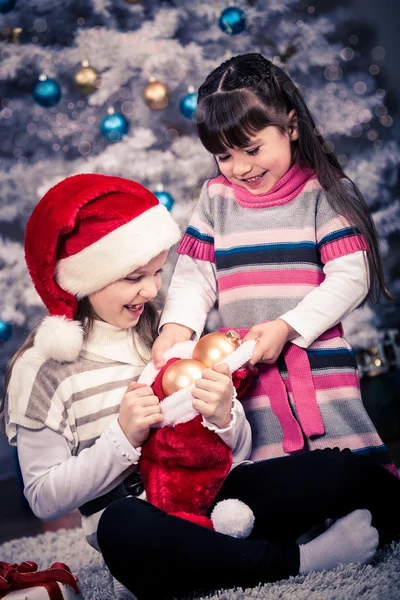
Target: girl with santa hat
(95, 247)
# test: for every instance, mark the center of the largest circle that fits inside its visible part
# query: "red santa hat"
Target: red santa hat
(88, 231)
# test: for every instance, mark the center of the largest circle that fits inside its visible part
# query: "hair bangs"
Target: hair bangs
(230, 119)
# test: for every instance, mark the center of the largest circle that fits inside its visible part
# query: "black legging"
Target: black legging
(158, 556)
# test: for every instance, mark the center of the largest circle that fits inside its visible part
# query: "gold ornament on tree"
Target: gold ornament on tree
(209, 350)
(11, 35)
(156, 94)
(86, 78)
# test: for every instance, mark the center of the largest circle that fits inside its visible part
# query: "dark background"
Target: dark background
(376, 23)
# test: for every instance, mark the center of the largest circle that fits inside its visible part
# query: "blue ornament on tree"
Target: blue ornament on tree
(6, 6)
(188, 104)
(5, 331)
(46, 92)
(164, 198)
(232, 20)
(114, 126)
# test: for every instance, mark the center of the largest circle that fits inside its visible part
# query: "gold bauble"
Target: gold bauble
(214, 347)
(155, 94)
(11, 35)
(86, 78)
(181, 374)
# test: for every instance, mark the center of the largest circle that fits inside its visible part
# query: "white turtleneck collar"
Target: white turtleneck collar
(107, 341)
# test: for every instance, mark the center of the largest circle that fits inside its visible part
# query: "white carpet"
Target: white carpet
(380, 581)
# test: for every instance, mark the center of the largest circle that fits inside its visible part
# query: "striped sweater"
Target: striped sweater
(268, 249)
(64, 419)
(269, 252)
(77, 399)
(80, 402)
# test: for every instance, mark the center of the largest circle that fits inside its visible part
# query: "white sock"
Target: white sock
(350, 539)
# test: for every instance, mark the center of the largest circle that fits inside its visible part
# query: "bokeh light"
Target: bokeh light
(360, 87)
(347, 54)
(378, 53)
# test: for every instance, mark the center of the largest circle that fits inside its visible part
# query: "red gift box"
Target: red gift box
(24, 582)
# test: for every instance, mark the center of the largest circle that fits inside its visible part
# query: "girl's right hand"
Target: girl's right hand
(139, 410)
(171, 334)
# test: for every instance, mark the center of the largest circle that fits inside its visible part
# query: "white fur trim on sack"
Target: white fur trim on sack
(240, 357)
(180, 350)
(59, 338)
(118, 253)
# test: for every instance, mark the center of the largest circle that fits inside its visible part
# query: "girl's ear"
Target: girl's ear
(293, 129)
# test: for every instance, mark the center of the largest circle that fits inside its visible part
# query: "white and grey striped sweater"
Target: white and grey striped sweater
(76, 399)
(80, 402)
(64, 419)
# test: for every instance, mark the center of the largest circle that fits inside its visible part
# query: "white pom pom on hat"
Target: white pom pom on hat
(233, 517)
(59, 338)
(86, 232)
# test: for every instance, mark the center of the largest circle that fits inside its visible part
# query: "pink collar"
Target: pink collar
(285, 190)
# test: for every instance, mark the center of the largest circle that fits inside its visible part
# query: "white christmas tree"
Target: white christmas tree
(178, 43)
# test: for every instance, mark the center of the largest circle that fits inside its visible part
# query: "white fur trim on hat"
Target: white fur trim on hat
(59, 339)
(118, 253)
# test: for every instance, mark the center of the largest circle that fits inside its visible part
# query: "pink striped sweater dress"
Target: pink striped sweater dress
(269, 252)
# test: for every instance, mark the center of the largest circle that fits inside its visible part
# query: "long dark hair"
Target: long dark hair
(145, 331)
(247, 93)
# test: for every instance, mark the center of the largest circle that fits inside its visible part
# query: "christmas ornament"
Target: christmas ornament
(209, 350)
(181, 374)
(188, 104)
(86, 78)
(214, 347)
(155, 94)
(232, 20)
(114, 126)
(164, 198)
(46, 92)
(6, 6)
(381, 358)
(11, 35)
(5, 330)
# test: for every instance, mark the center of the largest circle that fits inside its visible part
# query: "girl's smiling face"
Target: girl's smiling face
(121, 303)
(260, 165)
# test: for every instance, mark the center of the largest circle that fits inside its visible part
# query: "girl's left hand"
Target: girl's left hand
(212, 395)
(271, 338)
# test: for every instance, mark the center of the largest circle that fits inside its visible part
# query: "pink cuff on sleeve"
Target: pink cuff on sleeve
(341, 247)
(196, 249)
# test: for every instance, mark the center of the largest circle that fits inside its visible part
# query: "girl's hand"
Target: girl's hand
(212, 395)
(271, 338)
(139, 410)
(171, 334)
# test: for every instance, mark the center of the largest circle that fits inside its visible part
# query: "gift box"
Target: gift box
(25, 582)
